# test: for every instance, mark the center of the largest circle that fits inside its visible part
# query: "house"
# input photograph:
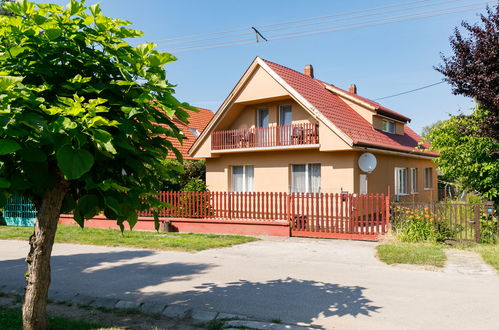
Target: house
(285, 131)
(191, 131)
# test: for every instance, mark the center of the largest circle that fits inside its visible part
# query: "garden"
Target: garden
(420, 232)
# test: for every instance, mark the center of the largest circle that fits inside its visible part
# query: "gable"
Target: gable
(260, 86)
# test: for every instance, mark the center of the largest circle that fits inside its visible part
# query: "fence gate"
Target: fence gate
(346, 216)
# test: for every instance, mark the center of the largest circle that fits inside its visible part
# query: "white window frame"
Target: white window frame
(428, 184)
(245, 179)
(398, 170)
(388, 126)
(307, 178)
(414, 180)
(363, 189)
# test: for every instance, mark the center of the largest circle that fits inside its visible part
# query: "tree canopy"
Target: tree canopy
(80, 104)
(470, 159)
(473, 68)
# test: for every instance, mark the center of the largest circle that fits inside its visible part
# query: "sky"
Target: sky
(381, 60)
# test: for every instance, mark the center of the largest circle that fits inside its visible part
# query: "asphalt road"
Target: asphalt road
(329, 283)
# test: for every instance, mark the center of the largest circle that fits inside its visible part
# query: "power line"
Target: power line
(296, 34)
(343, 17)
(196, 36)
(407, 92)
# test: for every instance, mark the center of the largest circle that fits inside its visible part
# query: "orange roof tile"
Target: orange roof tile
(197, 121)
(347, 119)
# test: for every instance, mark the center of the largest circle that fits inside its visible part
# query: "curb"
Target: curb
(233, 321)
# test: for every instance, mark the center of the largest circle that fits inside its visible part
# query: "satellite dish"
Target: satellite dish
(367, 162)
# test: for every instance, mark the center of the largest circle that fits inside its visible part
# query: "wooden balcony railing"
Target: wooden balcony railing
(258, 137)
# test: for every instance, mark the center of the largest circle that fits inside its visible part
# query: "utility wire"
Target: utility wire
(343, 17)
(292, 21)
(407, 92)
(380, 21)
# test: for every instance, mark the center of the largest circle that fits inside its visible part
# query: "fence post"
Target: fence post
(387, 210)
(288, 207)
(476, 219)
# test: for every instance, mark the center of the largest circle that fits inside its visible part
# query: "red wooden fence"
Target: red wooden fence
(287, 135)
(307, 213)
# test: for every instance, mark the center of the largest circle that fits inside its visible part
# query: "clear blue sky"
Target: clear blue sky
(381, 60)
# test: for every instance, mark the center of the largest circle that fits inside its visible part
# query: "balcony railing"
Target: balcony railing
(262, 137)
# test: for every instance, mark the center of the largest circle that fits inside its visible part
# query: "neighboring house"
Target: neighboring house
(282, 130)
(197, 123)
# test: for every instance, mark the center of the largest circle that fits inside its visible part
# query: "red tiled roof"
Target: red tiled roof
(197, 120)
(344, 117)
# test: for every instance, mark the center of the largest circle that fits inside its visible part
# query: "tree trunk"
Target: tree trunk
(38, 259)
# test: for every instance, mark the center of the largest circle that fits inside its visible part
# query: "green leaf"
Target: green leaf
(8, 146)
(4, 183)
(68, 204)
(88, 205)
(95, 9)
(74, 162)
(112, 204)
(53, 33)
(8, 81)
(16, 50)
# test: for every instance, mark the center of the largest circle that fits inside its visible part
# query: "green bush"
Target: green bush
(489, 229)
(415, 225)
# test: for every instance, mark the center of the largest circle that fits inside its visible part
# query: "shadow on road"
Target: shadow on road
(110, 274)
(124, 274)
(289, 299)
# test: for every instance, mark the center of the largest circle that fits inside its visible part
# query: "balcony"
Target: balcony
(266, 137)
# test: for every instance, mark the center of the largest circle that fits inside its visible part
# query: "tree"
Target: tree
(427, 129)
(473, 69)
(470, 159)
(83, 117)
(189, 175)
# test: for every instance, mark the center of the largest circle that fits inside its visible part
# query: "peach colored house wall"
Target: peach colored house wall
(384, 175)
(339, 171)
(272, 169)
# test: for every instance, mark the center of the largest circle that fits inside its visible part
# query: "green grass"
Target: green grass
(136, 239)
(11, 319)
(411, 253)
(489, 253)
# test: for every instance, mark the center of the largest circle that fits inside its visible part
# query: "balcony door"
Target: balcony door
(285, 121)
(262, 123)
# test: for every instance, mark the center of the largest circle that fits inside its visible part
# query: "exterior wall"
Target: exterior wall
(384, 175)
(248, 116)
(260, 86)
(339, 171)
(329, 141)
(272, 169)
(365, 113)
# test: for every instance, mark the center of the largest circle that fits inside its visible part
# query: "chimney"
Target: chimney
(309, 70)
(352, 88)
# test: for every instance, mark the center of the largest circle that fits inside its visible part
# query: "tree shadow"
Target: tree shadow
(125, 275)
(291, 300)
(110, 274)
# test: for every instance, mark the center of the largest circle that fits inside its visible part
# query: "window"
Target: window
(388, 126)
(363, 184)
(242, 178)
(194, 131)
(414, 180)
(400, 181)
(428, 178)
(306, 178)
(263, 117)
(285, 115)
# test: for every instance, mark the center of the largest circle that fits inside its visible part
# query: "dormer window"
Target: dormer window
(194, 132)
(388, 126)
